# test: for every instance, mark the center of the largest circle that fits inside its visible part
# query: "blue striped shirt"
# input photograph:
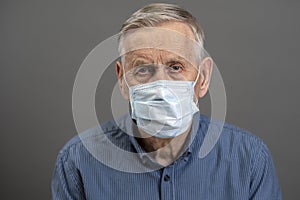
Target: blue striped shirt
(238, 167)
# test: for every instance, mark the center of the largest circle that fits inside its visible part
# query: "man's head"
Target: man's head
(164, 35)
(156, 14)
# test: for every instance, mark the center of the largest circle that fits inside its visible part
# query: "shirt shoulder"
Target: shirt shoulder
(230, 131)
(240, 157)
(235, 143)
(79, 144)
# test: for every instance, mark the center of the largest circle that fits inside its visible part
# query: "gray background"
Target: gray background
(254, 43)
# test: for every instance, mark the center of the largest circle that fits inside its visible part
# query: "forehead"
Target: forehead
(179, 27)
(172, 38)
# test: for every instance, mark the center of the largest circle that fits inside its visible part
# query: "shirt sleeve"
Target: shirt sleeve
(264, 183)
(66, 181)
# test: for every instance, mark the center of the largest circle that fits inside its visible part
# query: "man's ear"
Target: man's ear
(202, 85)
(122, 85)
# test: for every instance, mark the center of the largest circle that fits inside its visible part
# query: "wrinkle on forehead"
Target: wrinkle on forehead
(160, 38)
(156, 56)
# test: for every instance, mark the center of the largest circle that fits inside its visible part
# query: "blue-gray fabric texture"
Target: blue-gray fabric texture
(239, 167)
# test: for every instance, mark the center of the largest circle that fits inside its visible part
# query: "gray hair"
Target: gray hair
(157, 13)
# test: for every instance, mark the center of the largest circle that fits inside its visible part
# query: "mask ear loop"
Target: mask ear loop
(198, 74)
(199, 69)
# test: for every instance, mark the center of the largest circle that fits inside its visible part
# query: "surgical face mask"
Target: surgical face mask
(163, 108)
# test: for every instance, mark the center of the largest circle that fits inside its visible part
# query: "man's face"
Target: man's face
(168, 52)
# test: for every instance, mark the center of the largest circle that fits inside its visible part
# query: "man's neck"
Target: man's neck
(163, 150)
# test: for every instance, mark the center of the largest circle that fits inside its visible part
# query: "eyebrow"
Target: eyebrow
(140, 58)
(176, 59)
(169, 59)
(138, 55)
(138, 62)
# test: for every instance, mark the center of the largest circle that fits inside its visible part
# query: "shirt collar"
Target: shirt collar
(191, 145)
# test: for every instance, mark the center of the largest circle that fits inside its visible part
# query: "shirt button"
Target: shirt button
(166, 178)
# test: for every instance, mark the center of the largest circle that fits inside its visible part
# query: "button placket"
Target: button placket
(167, 183)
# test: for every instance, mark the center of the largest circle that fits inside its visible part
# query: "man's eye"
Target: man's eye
(176, 68)
(143, 70)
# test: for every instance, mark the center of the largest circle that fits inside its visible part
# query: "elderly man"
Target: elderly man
(153, 152)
